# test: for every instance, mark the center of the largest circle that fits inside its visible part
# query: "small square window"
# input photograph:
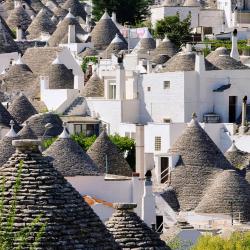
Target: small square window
(157, 143)
(166, 84)
(167, 120)
(149, 89)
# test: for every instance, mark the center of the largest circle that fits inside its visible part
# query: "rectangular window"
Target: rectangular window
(166, 84)
(157, 143)
(112, 91)
(149, 89)
(80, 129)
(167, 120)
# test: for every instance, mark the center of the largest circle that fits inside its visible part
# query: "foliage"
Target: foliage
(87, 60)
(178, 244)
(84, 141)
(237, 241)
(13, 33)
(242, 44)
(17, 240)
(206, 51)
(47, 142)
(124, 144)
(127, 146)
(178, 31)
(127, 11)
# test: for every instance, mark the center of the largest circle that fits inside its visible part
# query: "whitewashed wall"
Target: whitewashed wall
(160, 103)
(5, 60)
(128, 191)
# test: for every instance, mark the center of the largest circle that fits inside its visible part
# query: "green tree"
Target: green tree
(177, 31)
(130, 11)
(237, 241)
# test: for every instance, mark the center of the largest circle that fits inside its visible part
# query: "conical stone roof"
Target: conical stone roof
(70, 222)
(184, 61)
(115, 47)
(18, 17)
(60, 77)
(60, 12)
(69, 158)
(200, 159)
(239, 159)
(94, 87)
(228, 191)
(191, 3)
(221, 60)
(103, 152)
(169, 3)
(27, 133)
(160, 59)
(219, 51)
(104, 32)
(61, 33)
(7, 44)
(166, 47)
(20, 78)
(21, 109)
(147, 43)
(130, 232)
(37, 5)
(6, 118)
(76, 8)
(248, 174)
(6, 147)
(38, 122)
(41, 24)
(196, 148)
(8, 5)
(88, 52)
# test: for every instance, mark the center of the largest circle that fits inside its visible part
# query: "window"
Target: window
(157, 143)
(86, 129)
(112, 91)
(166, 84)
(167, 120)
(149, 89)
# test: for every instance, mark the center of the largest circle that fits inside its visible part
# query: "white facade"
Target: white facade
(5, 60)
(113, 191)
(199, 17)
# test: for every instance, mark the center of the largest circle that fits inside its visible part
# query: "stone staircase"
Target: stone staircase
(77, 107)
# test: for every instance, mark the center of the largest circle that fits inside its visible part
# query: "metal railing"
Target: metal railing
(164, 175)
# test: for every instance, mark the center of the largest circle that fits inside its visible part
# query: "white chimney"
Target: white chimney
(72, 33)
(188, 47)
(148, 202)
(19, 33)
(234, 17)
(140, 159)
(113, 17)
(243, 126)
(234, 51)
(120, 80)
(199, 62)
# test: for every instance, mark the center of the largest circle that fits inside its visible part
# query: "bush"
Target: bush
(9, 239)
(242, 44)
(237, 241)
(86, 61)
(84, 141)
